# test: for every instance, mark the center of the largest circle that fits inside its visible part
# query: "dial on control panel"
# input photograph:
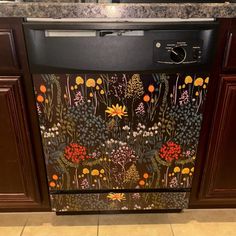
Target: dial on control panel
(178, 54)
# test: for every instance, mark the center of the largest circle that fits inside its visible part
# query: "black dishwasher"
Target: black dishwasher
(120, 111)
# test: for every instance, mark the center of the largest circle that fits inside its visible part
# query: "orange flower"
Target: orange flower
(145, 175)
(146, 98)
(52, 184)
(40, 98)
(55, 177)
(151, 88)
(141, 182)
(43, 89)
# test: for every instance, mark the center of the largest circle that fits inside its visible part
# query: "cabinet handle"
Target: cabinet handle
(227, 51)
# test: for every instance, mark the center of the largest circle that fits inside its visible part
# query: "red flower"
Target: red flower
(76, 153)
(170, 151)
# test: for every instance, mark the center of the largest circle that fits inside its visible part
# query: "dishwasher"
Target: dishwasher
(120, 110)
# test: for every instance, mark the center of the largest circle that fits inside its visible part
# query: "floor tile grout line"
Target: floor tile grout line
(22, 231)
(98, 226)
(172, 231)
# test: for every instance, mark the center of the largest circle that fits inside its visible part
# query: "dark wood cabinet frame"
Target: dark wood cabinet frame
(16, 89)
(208, 191)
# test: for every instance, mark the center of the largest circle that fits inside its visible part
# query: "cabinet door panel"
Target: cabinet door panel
(8, 60)
(218, 185)
(17, 178)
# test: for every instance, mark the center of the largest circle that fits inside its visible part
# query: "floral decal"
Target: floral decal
(76, 153)
(116, 111)
(120, 131)
(170, 151)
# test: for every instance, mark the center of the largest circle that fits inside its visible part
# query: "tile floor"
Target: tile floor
(189, 223)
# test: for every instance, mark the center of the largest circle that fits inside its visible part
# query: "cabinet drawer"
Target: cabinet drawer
(8, 58)
(230, 51)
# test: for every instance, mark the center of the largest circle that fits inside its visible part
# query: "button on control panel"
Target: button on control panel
(177, 52)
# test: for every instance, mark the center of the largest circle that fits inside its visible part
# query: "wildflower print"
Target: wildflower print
(79, 80)
(184, 99)
(90, 82)
(106, 131)
(185, 171)
(76, 153)
(99, 81)
(146, 98)
(176, 169)
(140, 110)
(207, 80)
(40, 98)
(188, 79)
(52, 184)
(85, 171)
(145, 175)
(134, 87)
(198, 82)
(42, 89)
(151, 88)
(95, 172)
(116, 196)
(170, 151)
(84, 184)
(78, 98)
(116, 111)
(55, 177)
(141, 182)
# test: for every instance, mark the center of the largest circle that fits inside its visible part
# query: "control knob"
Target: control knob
(178, 55)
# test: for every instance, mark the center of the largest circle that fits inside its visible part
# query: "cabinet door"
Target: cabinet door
(17, 173)
(218, 183)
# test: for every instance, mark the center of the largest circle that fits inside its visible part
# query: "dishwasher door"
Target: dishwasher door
(118, 140)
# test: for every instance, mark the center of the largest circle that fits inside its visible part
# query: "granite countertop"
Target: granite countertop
(73, 9)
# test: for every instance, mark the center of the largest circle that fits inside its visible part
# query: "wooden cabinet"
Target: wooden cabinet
(214, 183)
(23, 184)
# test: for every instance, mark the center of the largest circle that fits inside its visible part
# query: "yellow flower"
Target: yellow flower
(102, 91)
(207, 80)
(85, 171)
(97, 87)
(197, 93)
(204, 86)
(180, 87)
(116, 111)
(104, 178)
(185, 171)
(99, 81)
(188, 79)
(192, 169)
(183, 86)
(94, 172)
(116, 196)
(176, 169)
(91, 94)
(90, 83)
(198, 82)
(102, 171)
(72, 88)
(79, 80)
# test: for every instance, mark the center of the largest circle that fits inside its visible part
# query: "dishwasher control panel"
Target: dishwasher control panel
(177, 52)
